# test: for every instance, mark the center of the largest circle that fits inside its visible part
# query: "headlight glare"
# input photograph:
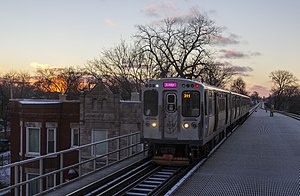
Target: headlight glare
(185, 125)
(154, 124)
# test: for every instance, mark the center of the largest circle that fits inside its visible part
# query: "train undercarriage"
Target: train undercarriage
(183, 154)
(178, 154)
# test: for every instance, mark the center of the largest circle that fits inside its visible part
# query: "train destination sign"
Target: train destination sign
(170, 84)
(186, 95)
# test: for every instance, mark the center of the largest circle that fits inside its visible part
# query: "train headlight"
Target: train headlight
(185, 125)
(154, 124)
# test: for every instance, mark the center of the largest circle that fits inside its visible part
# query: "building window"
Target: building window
(74, 137)
(51, 140)
(51, 181)
(33, 187)
(99, 149)
(33, 141)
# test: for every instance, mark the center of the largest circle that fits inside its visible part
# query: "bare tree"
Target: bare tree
(60, 80)
(73, 80)
(255, 95)
(216, 74)
(177, 45)
(13, 85)
(46, 80)
(123, 68)
(291, 99)
(239, 86)
(283, 81)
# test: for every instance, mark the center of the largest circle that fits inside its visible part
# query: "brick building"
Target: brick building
(39, 127)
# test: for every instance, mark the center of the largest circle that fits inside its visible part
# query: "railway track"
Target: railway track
(144, 178)
(153, 182)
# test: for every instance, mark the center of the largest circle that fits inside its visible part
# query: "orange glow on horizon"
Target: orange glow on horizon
(58, 86)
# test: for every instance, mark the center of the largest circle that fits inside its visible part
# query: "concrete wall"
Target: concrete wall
(100, 109)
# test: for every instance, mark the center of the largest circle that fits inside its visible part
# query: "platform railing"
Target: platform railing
(127, 146)
(254, 108)
(295, 116)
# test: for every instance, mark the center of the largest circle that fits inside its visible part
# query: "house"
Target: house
(39, 127)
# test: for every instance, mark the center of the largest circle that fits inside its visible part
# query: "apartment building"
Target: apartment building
(40, 127)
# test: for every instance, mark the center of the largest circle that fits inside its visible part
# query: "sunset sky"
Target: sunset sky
(262, 36)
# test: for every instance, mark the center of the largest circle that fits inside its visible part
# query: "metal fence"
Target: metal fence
(123, 147)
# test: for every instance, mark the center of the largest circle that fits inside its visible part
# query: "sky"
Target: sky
(262, 36)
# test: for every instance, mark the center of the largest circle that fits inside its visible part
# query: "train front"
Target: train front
(172, 119)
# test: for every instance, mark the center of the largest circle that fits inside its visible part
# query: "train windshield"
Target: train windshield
(151, 103)
(190, 103)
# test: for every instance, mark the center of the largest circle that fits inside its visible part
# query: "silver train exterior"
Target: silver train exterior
(184, 119)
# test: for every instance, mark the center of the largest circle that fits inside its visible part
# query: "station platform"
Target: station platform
(262, 157)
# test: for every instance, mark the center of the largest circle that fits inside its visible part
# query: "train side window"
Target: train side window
(190, 104)
(233, 102)
(151, 103)
(210, 104)
(221, 102)
(205, 103)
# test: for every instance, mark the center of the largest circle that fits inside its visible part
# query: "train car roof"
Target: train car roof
(209, 87)
(205, 86)
(234, 93)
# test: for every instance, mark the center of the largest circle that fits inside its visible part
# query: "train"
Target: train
(184, 119)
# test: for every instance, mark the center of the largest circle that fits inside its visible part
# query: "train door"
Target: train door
(235, 106)
(216, 111)
(206, 112)
(170, 115)
(211, 112)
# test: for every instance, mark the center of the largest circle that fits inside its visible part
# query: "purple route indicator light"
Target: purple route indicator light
(170, 84)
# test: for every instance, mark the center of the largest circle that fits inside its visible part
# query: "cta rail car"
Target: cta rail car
(184, 119)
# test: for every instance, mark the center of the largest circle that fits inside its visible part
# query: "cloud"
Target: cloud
(242, 70)
(237, 68)
(262, 91)
(212, 12)
(223, 41)
(44, 66)
(232, 54)
(155, 10)
(255, 53)
(151, 10)
(40, 66)
(110, 23)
